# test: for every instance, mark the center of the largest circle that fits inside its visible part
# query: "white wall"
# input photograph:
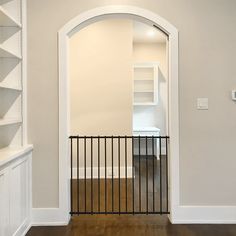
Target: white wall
(207, 52)
(155, 116)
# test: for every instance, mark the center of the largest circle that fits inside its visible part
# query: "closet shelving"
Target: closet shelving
(145, 84)
(11, 78)
(6, 18)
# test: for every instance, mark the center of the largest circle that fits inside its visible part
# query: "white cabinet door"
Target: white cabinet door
(4, 204)
(18, 194)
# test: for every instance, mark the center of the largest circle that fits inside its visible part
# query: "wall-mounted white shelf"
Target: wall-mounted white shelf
(4, 122)
(7, 20)
(146, 129)
(4, 52)
(145, 83)
(10, 87)
(144, 104)
(145, 79)
(144, 91)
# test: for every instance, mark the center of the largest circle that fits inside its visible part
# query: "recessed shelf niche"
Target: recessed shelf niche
(11, 80)
(145, 84)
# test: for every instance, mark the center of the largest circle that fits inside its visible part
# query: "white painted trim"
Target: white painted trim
(185, 215)
(47, 216)
(24, 72)
(63, 34)
(205, 215)
(26, 230)
(102, 172)
(22, 230)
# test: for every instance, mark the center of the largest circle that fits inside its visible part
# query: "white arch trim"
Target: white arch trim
(64, 160)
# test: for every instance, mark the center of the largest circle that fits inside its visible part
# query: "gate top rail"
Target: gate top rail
(118, 136)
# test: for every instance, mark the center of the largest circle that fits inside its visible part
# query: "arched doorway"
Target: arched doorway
(79, 22)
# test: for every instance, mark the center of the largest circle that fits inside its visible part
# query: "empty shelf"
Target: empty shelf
(144, 104)
(144, 129)
(6, 19)
(10, 87)
(4, 122)
(6, 53)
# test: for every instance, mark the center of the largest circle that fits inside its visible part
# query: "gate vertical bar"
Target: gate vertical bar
(167, 179)
(133, 169)
(146, 141)
(85, 177)
(119, 169)
(160, 175)
(99, 207)
(153, 174)
(139, 154)
(105, 152)
(71, 175)
(91, 191)
(112, 170)
(78, 178)
(126, 177)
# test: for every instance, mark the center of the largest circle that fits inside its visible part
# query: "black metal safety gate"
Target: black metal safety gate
(119, 175)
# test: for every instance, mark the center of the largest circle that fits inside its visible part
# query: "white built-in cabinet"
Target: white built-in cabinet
(145, 83)
(15, 154)
(15, 196)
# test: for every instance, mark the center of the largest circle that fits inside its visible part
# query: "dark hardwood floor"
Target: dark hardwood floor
(130, 225)
(141, 195)
(114, 225)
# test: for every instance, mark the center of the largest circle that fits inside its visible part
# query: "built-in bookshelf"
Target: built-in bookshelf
(11, 75)
(145, 79)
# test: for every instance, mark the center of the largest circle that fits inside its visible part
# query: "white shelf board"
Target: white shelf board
(8, 154)
(145, 129)
(11, 121)
(148, 91)
(10, 87)
(4, 1)
(144, 103)
(6, 53)
(7, 20)
(144, 79)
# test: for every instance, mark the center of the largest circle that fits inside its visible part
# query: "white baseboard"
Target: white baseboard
(48, 217)
(182, 215)
(102, 172)
(26, 230)
(23, 229)
(204, 215)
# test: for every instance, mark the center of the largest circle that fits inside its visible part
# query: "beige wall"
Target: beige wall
(155, 52)
(101, 84)
(101, 79)
(207, 52)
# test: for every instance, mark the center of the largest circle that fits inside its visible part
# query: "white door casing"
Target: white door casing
(77, 23)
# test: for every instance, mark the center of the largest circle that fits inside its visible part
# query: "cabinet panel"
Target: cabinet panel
(4, 204)
(18, 194)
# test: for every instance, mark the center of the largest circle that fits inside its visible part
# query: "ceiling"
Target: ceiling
(143, 33)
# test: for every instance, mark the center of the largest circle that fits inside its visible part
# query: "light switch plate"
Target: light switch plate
(202, 103)
(234, 95)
